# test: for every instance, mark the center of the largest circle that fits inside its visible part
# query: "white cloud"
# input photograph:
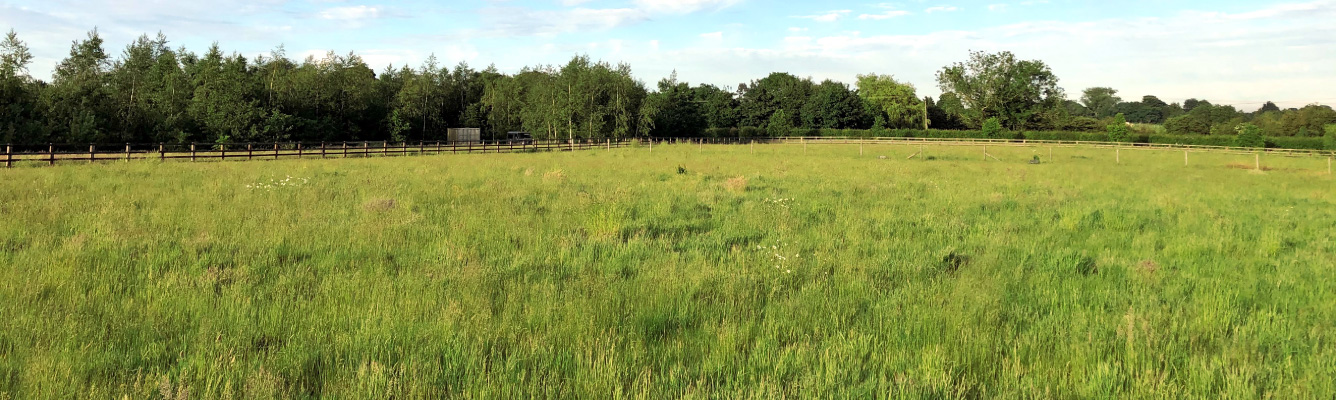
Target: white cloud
(683, 6)
(1280, 53)
(351, 13)
(828, 16)
(716, 36)
(931, 10)
(997, 7)
(884, 15)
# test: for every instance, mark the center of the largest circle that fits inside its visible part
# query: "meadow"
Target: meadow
(774, 271)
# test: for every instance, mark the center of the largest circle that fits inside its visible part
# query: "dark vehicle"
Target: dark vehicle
(519, 137)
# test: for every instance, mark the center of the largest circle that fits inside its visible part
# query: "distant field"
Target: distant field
(723, 272)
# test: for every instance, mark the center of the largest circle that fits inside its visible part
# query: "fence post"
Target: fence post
(345, 149)
(9, 156)
(1185, 158)
(192, 152)
(222, 152)
(127, 152)
(92, 153)
(299, 149)
(1258, 158)
(1118, 154)
(1050, 154)
(51, 151)
(162, 152)
(322, 149)
(275, 150)
(250, 152)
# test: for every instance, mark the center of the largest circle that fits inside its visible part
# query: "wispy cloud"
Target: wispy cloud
(931, 10)
(828, 16)
(884, 15)
(351, 13)
(683, 6)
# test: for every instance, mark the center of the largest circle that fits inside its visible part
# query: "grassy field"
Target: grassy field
(727, 272)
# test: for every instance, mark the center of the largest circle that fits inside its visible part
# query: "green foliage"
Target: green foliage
(780, 125)
(1118, 130)
(1249, 135)
(761, 99)
(678, 112)
(1100, 102)
(1187, 125)
(992, 129)
(152, 92)
(895, 100)
(833, 106)
(1021, 94)
(1330, 139)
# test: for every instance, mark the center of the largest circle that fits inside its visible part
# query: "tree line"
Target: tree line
(153, 93)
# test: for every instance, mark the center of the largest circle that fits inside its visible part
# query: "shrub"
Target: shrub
(992, 128)
(1249, 136)
(1186, 125)
(1330, 139)
(780, 125)
(1118, 131)
(751, 131)
(1084, 124)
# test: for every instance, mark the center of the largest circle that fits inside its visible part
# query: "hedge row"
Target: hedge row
(1285, 142)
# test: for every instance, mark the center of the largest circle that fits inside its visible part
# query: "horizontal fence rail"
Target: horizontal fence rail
(52, 154)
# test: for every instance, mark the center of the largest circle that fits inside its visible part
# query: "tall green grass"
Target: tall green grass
(750, 272)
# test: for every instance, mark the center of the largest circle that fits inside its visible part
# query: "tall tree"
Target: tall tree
(19, 115)
(833, 106)
(78, 103)
(1101, 101)
(778, 91)
(1021, 94)
(896, 101)
(719, 106)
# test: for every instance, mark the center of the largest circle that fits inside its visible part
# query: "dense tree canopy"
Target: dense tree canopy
(151, 92)
(1021, 94)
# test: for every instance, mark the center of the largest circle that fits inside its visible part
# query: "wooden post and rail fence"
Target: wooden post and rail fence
(50, 154)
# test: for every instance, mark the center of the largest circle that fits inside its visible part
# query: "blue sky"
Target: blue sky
(1235, 52)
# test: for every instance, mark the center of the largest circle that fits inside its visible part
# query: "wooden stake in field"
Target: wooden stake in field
(192, 152)
(92, 153)
(1050, 154)
(1258, 158)
(51, 151)
(860, 149)
(1118, 154)
(9, 156)
(1185, 158)
(920, 152)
